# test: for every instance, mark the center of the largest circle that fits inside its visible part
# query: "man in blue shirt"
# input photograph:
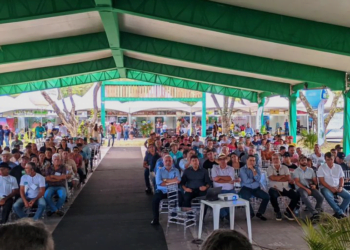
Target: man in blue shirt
(147, 163)
(165, 176)
(249, 130)
(250, 182)
(286, 127)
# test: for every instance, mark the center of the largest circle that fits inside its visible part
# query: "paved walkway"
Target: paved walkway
(112, 211)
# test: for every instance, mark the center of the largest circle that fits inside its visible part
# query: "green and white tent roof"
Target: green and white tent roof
(241, 48)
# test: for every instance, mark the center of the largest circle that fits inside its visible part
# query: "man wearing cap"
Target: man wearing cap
(195, 182)
(16, 142)
(331, 177)
(339, 148)
(288, 162)
(224, 176)
(8, 190)
(250, 182)
(32, 190)
(241, 150)
(305, 181)
(6, 156)
(340, 160)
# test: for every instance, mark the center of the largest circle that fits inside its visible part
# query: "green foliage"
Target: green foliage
(83, 130)
(330, 234)
(98, 113)
(146, 128)
(308, 139)
(77, 90)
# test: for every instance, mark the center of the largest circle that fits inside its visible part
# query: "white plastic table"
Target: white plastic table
(216, 206)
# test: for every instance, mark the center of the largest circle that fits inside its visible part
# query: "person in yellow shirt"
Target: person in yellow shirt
(232, 127)
(112, 132)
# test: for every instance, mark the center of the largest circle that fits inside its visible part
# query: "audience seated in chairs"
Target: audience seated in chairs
(331, 177)
(56, 180)
(32, 190)
(195, 182)
(19, 170)
(165, 176)
(250, 181)
(306, 184)
(279, 178)
(8, 190)
(224, 176)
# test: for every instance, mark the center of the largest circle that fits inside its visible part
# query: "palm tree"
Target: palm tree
(330, 234)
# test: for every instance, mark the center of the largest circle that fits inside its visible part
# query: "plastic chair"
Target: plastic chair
(172, 200)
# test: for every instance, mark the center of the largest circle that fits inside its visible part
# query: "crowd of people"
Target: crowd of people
(262, 166)
(41, 177)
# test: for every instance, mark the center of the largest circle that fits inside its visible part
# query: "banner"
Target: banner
(320, 121)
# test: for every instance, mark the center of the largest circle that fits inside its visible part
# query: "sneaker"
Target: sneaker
(155, 222)
(315, 218)
(261, 217)
(288, 215)
(60, 213)
(278, 216)
(148, 191)
(49, 213)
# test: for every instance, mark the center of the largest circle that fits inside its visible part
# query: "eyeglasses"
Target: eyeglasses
(278, 172)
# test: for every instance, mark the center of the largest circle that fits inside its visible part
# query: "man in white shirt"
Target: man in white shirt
(63, 131)
(224, 176)
(279, 178)
(49, 127)
(32, 190)
(8, 189)
(331, 177)
(317, 157)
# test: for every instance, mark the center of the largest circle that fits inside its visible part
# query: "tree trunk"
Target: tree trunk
(224, 112)
(95, 117)
(333, 109)
(309, 109)
(70, 126)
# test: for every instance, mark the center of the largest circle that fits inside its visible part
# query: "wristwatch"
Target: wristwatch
(164, 180)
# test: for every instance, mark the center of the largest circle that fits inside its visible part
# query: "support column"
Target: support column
(103, 108)
(346, 127)
(204, 115)
(293, 115)
(261, 113)
(191, 121)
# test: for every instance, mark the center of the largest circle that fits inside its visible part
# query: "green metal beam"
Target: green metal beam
(111, 26)
(131, 99)
(53, 48)
(230, 60)
(191, 85)
(59, 82)
(243, 22)
(24, 10)
(41, 74)
(308, 85)
(127, 83)
(227, 80)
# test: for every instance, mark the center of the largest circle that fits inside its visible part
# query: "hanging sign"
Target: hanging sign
(274, 111)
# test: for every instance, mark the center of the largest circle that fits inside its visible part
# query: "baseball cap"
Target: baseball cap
(4, 165)
(341, 155)
(286, 154)
(338, 146)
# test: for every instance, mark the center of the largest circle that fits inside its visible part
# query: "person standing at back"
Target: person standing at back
(112, 132)
(286, 127)
(126, 131)
(1, 136)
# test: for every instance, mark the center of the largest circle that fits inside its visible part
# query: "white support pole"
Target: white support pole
(191, 120)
